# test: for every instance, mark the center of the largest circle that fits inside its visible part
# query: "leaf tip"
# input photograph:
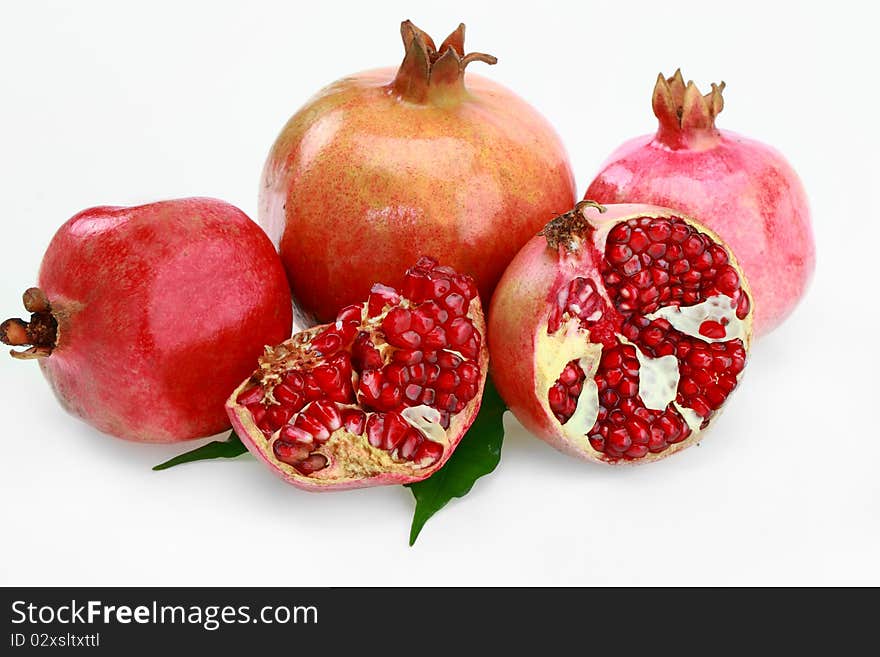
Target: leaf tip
(415, 530)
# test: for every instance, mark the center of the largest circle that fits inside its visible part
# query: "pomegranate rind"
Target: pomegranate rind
(518, 319)
(353, 462)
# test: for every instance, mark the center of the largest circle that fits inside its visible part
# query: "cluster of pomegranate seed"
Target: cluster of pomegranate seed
(563, 396)
(650, 263)
(655, 262)
(708, 371)
(398, 350)
(625, 427)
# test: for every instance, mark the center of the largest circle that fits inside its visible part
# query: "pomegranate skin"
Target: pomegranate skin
(518, 318)
(370, 174)
(517, 313)
(744, 190)
(161, 311)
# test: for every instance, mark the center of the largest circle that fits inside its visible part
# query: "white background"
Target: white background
(122, 103)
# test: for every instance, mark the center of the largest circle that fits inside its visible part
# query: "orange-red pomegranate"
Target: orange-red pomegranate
(382, 395)
(742, 189)
(619, 334)
(146, 318)
(380, 167)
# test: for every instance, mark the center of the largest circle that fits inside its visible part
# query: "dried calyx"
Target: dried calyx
(431, 74)
(687, 118)
(569, 228)
(39, 334)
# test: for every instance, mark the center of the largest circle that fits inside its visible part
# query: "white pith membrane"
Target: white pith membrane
(427, 420)
(350, 456)
(717, 308)
(658, 380)
(570, 342)
(658, 377)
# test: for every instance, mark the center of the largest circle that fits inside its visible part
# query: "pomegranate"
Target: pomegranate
(379, 167)
(382, 395)
(739, 187)
(619, 334)
(146, 317)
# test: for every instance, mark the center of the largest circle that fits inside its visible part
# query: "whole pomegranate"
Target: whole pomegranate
(379, 167)
(146, 317)
(382, 395)
(619, 334)
(741, 188)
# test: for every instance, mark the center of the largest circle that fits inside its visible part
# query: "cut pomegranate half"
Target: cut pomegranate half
(619, 334)
(381, 396)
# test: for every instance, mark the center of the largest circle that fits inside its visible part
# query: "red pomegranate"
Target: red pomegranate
(620, 333)
(382, 395)
(146, 317)
(379, 167)
(739, 187)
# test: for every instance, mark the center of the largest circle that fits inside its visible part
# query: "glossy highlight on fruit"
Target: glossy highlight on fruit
(385, 165)
(740, 188)
(382, 395)
(619, 333)
(146, 317)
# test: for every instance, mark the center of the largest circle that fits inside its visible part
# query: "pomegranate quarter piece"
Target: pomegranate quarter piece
(619, 333)
(383, 395)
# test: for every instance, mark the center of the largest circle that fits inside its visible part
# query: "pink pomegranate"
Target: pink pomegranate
(619, 334)
(382, 395)
(380, 167)
(146, 317)
(739, 187)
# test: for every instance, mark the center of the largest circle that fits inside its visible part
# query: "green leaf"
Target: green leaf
(218, 449)
(477, 455)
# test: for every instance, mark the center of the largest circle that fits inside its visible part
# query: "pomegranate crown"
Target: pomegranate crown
(569, 228)
(40, 334)
(686, 117)
(433, 74)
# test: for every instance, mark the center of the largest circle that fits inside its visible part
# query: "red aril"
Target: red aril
(384, 165)
(382, 395)
(146, 317)
(620, 332)
(738, 187)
